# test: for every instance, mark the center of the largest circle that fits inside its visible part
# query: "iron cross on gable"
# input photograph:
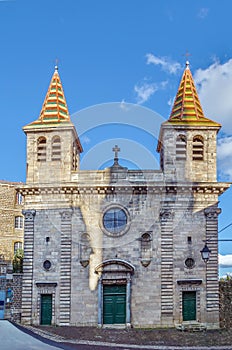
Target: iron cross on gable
(116, 149)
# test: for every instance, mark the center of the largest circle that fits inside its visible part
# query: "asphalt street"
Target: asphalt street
(13, 338)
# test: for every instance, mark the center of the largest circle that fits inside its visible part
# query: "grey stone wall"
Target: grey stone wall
(225, 289)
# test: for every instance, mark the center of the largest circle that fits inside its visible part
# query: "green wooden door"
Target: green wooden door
(46, 309)
(189, 306)
(114, 304)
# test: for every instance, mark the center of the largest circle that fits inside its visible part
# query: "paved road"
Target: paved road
(13, 338)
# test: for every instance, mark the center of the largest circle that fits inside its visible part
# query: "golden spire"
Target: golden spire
(187, 106)
(54, 108)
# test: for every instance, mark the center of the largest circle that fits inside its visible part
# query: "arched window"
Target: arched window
(56, 148)
(181, 146)
(41, 149)
(17, 246)
(198, 148)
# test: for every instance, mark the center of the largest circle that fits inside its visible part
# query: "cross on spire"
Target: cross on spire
(187, 54)
(116, 149)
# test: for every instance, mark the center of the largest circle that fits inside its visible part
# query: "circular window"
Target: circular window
(47, 265)
(115, 220)
(189, 263)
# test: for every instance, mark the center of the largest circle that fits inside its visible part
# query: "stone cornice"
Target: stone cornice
(150, 188)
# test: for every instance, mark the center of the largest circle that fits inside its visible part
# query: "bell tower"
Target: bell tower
(187, 142)
(53, 146)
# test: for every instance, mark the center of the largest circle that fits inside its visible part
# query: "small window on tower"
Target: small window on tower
(56, 148)
(198, 148)
(181, 146)
(41, 149)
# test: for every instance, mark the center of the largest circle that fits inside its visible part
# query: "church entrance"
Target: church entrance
(46, 309)
(114, 304)
(189, 306)
(114, 292)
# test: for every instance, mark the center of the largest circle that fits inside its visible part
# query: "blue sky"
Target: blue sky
(125, 52)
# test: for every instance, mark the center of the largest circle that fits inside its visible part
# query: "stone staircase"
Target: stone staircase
(191, 327)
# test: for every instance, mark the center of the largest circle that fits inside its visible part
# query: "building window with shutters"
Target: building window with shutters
(18, 222)
(41, 149)
(56, 148)
(181, 147)
(198, 148)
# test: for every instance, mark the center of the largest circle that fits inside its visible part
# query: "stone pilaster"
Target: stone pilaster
(166, 221)
(29, 216)
(212, 287)
(65, 267)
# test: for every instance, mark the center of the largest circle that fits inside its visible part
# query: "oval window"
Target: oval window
(189, 263)
(47, 265)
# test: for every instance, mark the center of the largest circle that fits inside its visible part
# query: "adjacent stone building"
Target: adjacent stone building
(11, 220)
(121, 246)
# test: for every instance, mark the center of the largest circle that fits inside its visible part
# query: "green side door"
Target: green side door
(114, 304)
(46, 309)
(189, 306)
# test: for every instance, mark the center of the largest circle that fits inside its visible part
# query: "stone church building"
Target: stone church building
(120, 246)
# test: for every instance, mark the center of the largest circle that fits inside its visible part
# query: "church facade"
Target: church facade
(120, 246)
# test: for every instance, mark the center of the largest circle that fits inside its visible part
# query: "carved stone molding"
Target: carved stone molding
(212, 213)
(29, 214)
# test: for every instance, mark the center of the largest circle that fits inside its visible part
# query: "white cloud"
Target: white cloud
(215, 92)
(225, 260)
(224, 153)
(165, 63)
(145, 91)
(225, 147)
(203, 13)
